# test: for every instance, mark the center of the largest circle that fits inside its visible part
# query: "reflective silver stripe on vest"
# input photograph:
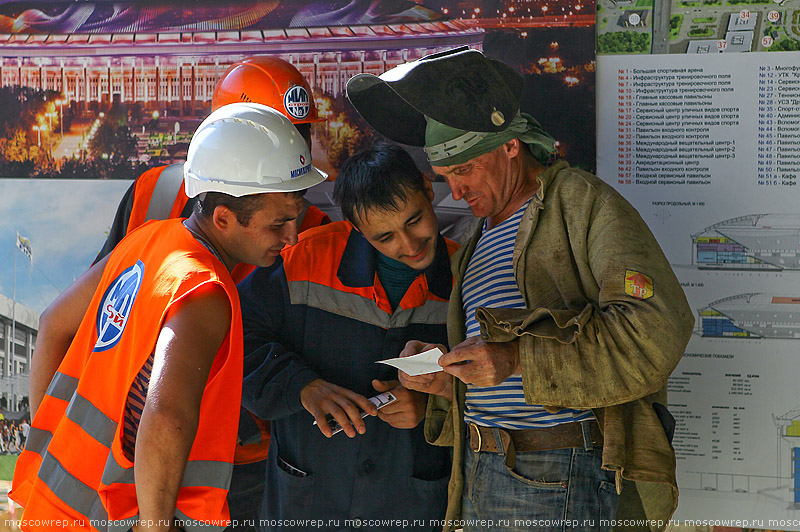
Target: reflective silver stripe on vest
(38, 440)
(364, 309)
(198, 473)
(62, 386)
(94, 422)
(113, 473)
(86, 501)
(169, 183)
(80, 497)
(72, 491)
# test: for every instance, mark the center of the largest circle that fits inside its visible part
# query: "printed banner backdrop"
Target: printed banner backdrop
(106, 90)
(94, 93)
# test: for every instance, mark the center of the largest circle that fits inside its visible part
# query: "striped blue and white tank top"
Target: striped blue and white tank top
(489, 282)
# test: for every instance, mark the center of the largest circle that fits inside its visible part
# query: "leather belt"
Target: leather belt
(562, 436)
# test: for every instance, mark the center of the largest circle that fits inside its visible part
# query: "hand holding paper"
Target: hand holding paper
(437, 382)
(476, 361)
(419, 364)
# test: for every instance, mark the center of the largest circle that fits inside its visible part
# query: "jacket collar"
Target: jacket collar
(547, 176)
(545, 179)
(357, 266)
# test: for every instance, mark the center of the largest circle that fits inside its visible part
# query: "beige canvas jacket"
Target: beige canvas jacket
(586, 340)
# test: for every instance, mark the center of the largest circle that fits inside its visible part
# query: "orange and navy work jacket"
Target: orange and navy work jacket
(325, 314)
(73, 468)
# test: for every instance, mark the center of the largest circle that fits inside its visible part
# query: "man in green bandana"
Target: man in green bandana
(565, 319)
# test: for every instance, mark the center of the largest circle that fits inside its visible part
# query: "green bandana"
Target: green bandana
(447, 145)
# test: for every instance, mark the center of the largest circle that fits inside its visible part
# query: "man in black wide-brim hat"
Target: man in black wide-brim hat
(565, 319)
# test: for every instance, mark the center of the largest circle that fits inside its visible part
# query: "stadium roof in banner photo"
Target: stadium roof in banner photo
(60, 17)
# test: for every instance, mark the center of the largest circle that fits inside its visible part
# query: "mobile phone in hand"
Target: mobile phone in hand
(380, 400)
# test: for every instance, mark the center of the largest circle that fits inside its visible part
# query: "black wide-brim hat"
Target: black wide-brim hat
(461, 88)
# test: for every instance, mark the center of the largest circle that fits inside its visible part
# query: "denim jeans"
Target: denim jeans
(559, 490)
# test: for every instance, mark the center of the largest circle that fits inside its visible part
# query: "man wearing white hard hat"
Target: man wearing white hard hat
(137, 426)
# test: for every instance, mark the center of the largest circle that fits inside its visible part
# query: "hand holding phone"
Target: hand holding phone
(380, 400)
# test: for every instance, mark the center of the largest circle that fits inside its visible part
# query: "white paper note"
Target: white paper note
(419, 364)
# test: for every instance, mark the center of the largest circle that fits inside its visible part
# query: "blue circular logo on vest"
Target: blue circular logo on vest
(297, 102)
(115, 307)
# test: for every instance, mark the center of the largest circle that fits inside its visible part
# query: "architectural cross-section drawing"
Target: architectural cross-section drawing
(760, 242)
(752, 316)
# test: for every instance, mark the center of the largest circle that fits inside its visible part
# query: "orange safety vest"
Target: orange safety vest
(158, 194)
(73, 474)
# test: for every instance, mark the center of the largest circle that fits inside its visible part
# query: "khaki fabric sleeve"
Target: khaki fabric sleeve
(628, 320)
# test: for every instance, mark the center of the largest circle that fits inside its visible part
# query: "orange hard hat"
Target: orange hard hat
(269, 81)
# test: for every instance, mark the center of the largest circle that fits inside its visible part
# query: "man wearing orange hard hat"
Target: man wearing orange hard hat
(159, 194)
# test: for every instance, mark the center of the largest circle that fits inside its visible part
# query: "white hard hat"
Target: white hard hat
(248, 148)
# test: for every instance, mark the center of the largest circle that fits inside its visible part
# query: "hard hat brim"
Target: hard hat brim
(197, 185)
(314, 177)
